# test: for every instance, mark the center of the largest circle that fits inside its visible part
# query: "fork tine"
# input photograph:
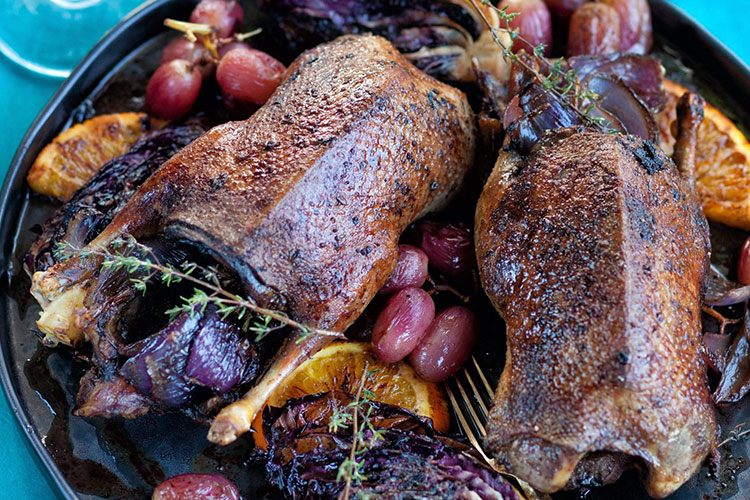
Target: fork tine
(490, 392)
(467, 402)
(477, 395)
(466, 427)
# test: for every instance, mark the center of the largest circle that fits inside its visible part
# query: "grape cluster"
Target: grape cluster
(245, 75)
(598, 27)
(437, 345)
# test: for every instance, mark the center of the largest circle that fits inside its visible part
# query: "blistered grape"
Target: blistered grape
(446, 345)
(224, 15)
(411, 270)
(192, 486)
(231, 45)
(249, 75)
(173, 89)
(448, 246)
(196, 53)
(533, 23)
(402, 323)
(563, 8)
(635, 24)
(594, 30)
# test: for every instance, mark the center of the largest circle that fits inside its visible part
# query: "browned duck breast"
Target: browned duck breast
(304, 201)
(593, 249)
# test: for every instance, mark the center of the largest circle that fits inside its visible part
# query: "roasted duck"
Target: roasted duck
(593, 249)
(303, 204)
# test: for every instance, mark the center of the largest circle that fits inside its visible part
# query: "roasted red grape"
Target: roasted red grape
(594, 30)
(193, 486)
(402, 324)
(196, 53)
(411, 270)
(224, 15)
(635, 24)
(173, 89)
(564, 8)
(533, 23)
(231, 45)
(249, 75)
(447, 344)
(743, 265)
(449, 247)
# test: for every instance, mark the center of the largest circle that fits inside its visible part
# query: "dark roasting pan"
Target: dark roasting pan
(124, 459)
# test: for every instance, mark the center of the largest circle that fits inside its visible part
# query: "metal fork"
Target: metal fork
(471, 396)
(472, 406)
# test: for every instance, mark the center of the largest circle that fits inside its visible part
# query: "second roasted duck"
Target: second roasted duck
(593, 249)
(303, 203)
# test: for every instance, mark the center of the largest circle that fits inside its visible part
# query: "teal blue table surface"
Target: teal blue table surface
(24, 94)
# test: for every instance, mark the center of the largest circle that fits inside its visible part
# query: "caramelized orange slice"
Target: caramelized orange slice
(722, 162)
(76, 154)
(340, 366)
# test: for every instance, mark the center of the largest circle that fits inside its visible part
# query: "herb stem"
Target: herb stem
(227, 301)
(355, 444)
(549, 82)
(734, 435)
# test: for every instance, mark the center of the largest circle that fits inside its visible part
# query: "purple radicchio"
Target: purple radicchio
(411, 460)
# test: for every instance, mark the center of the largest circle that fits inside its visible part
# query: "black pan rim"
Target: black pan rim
(9, 201)
(99, 61)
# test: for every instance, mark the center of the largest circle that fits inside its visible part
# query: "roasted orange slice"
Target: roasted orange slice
(76, 154)
(722, 162)
(340, 367)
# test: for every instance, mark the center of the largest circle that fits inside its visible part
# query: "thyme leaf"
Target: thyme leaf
(559, 82)
(126, 254)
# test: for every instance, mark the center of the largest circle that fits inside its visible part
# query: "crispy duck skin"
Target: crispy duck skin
(593, 249)
(305, 201)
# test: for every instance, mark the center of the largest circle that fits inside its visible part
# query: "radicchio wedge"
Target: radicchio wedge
(410, 460)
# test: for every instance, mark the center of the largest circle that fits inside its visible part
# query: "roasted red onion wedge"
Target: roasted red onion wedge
(532, 110)
(643, 75)
(735, 379)
(716, 346)
(616, 98)
(723, 292)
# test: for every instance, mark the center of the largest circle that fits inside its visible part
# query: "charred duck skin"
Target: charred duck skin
(593, 249)
(304, 202)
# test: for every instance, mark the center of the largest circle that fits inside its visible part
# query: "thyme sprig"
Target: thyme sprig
(140, 261)
(560, 82)
(358, 414)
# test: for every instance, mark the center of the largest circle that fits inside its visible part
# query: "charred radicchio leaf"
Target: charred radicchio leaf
(195, 357)
(80, 219)
(433, 34)
(410, 461)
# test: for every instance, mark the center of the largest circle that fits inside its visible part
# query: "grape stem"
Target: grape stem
(190, 29)
(209, 40)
